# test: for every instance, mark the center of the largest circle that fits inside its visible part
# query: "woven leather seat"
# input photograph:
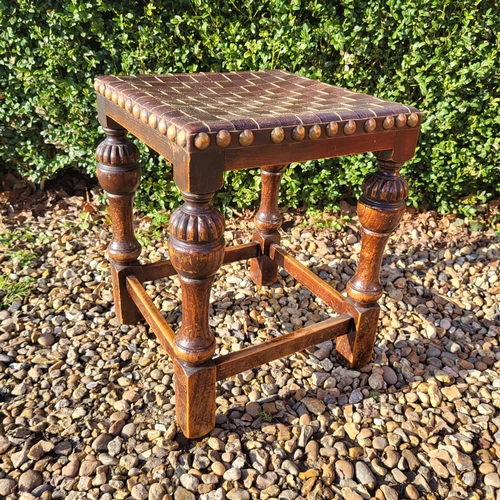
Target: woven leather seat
(211, 102)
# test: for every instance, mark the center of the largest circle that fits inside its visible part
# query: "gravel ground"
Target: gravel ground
(87, 405)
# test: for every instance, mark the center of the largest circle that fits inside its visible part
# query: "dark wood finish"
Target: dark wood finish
(380, 209)
(241, 252)
(119, 175)
(263, 271)
(164, 268)
(125, 308)
(158, 270)
(270, 117)
(155, 320)
(209, 123)
(305, 276)
(356, 348)
(204, 169)
(196, 172)
(195, 398)
(325, 148)
(280, 347)
(196, 249)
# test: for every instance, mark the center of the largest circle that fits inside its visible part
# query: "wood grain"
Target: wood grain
(263, 271)
(155, 320)
(356, 348)
(305, 276)
(164, 268)
(379, 210)
(196, 248)
(148, 106)
(119, 174)
(194, 398)
(282, 346)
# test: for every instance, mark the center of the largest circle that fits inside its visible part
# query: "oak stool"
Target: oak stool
(209, 123)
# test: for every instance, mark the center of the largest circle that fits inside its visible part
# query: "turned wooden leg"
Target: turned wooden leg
(119, 174)
(380, 209)
(264, 271)
(196, 252)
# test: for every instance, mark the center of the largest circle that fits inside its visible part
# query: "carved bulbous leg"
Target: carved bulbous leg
(380, 209)
(263, 270)
(196, 252)
(119, 174)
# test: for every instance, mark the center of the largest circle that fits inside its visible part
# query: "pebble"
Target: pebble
(399, 476)
(101, 442)
(128, 461)
(350, 494)
(218, 468)
(305, 434)
(356, 397)
(200, 461)
(29, 480)
(376, 381)
(314, 405)
(19, 458)
(88, 405)
(412, 492)
(379, 443)
(390, 376)
(189, 482)
(462, 461)
(365, 476)
(156, 492)
(128, 430)
(106, 459)
(183, 494)
(139, 492)
(352, 430)
(487, 468)
(46, 339)
(378, 468)
(263, 481)
(71, 468)
(232, 474)
(238, 494)
(7, 487)
(435, 395)
(389, 493)
(492, 479)
(469, 478)
(439, 468)
(5, 444)
(259, 459)
(344, 469)
(218, 445)
(451, 393)
(39, 449)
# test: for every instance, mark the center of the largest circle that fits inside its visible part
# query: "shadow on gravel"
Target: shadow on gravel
(87, 405)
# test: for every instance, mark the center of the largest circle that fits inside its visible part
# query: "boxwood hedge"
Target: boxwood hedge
(442, 57)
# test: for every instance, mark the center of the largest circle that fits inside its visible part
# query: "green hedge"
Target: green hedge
(442, 57)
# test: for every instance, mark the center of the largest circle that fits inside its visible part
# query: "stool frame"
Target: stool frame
(196, 242)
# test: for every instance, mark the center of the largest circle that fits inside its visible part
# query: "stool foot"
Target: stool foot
(118, 173)
(195, 398)
(355, 349)
(380, 209)
(263, 270)
(125, 308)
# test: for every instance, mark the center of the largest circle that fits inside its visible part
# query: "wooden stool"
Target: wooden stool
(209, 123)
